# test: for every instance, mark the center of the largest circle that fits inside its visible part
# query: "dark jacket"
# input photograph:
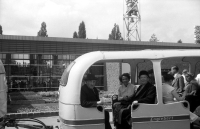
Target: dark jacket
(89, 97)
(145, 95)
(178, 83)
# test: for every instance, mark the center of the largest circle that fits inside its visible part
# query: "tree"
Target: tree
(153, 38)
(115, 33)
(75, 35)
(197, 41)
(179, 41)
(82, 31)
(1, 31)
(43, 31)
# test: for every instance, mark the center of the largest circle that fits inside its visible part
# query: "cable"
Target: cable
(33, 120)
(13, 123)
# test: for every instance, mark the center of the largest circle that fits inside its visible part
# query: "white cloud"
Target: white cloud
(170, 20)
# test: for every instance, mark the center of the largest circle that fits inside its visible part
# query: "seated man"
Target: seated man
(90, 96)
(146, 93)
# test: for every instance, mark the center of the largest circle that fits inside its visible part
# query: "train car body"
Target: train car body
(156, 116)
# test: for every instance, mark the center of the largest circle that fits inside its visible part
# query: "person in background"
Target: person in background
(198, 78)
(192, 92)
(184, 72)
(191, 85)
(178, 82)
(90, 97)
(125, 92)
(169, 93)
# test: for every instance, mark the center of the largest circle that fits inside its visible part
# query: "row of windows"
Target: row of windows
(36, 56)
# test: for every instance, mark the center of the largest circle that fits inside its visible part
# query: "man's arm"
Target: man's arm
(150, 97)
(84, 102)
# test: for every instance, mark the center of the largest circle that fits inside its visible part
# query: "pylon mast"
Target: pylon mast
(132, 20)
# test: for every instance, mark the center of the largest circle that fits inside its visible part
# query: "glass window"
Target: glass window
(147, 66)
(66, 57)
(14, 56)
(60, 57)
(73, 57)
(126, 68)
(46, 56)
(26, 56)
(65, 75)
(2, 56)
(19, 56)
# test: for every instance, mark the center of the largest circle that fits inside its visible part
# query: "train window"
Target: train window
(173, 78)
(126, 68)
(65, 75)
(147, 66)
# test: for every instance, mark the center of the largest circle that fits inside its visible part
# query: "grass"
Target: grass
(32, 108)
(25, 102)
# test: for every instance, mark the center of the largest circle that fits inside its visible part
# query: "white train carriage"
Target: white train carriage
(151, 116)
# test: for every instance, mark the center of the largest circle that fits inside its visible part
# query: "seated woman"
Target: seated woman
(125, 92)
(170, 94)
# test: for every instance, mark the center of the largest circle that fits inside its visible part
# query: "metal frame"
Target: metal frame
(132, 20)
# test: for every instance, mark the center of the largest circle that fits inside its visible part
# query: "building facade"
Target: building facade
(37, 63)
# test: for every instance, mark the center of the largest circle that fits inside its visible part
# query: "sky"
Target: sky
(169, 20)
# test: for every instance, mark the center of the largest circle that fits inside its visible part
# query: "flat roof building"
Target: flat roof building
(37, 63)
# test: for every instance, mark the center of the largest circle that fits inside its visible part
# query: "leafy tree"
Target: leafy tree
(153, 38)
(75, 35)
(115, 33)
(1, 31)
(179, 41)
(43, 31)
(82, 31)
(197, 41)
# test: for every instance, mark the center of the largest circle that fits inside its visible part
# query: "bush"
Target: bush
(25, 97)
(24, 102)
(22, 93)
(38, 109)
(48, 94)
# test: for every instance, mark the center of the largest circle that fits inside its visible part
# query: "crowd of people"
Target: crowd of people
(176, 87)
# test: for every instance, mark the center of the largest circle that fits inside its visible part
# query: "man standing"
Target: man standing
(198, 78)
(90, 96)
(185, 71)
(192, 92)
(178, 82)
(191, 85)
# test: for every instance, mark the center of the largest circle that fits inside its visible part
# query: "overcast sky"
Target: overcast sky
(170, 20)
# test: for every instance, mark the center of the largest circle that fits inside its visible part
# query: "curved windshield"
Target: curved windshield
(65, 75)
